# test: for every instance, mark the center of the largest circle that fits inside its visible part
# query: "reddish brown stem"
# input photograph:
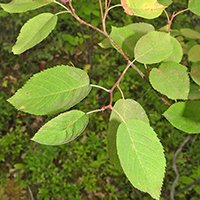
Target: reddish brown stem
(120, 50)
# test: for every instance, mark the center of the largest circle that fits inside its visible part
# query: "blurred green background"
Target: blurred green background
(81, 169)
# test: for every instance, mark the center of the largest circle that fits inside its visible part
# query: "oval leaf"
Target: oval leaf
(18, 6)
(171, 79)
(51, 91)
(195, 74)
(34, 31)
(128, 109)
(153, 47)
(177, 53)
(147, 9)
(126, 37)
(194, 53)
(185, 116)
(62, 129)
(194, 6)
(141, 156)
(189, 33)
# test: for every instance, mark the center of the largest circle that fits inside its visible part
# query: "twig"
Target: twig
(188, 186)
(31, 194)
(121, 92)
(98, 86)
(175, 168)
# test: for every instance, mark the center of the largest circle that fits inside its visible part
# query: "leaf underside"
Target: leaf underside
(141, 156)
(62, 129)
(184, 116)
(128, 109)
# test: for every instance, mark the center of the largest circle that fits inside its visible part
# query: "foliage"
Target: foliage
(137, 146)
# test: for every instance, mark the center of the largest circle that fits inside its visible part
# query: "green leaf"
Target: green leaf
(147, 9)
(195, 74)
(18, 6)
(171, 79)
(194, 53)
(51, 91)
(141, 156)
(62, 129)
(194, 91)
(153, 47)
(194, 6)
(184, 116)
(126, 37)
(34, 31)
(173, 32)
(177, 53)
(189, 33)
(128, 109)
(165, 2)
(105, 43)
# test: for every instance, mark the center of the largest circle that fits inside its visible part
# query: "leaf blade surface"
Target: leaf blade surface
(62, 129)
(51, 91)
(141, 156)
(34, 31)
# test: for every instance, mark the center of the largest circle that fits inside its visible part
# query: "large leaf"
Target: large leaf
(141, 156)
(194, 53)
(52, 91)
(185, 116)
(153, 47)
(126, 37)
(62, 129)
(194, 6)
(18, 6)
(195, 74)
(177, 53)
(128, 109)
(34, 31)
(147, 9)
(171, 79)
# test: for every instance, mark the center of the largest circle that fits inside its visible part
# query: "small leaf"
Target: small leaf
(184, 116)
(171, 79)
(147, 9)
(177, 53)
(189, 33)
(62, 129)
(153, 47)
(18, 6)
(194, 53)
(128, 109)
(126, 37)
(34, 31)
(195, 74)
(141, 156)
(105, 43)
(165, 2)
(51, 91)
(194, 91)
(194, 6)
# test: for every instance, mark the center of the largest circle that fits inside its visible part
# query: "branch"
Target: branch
(175, 168)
